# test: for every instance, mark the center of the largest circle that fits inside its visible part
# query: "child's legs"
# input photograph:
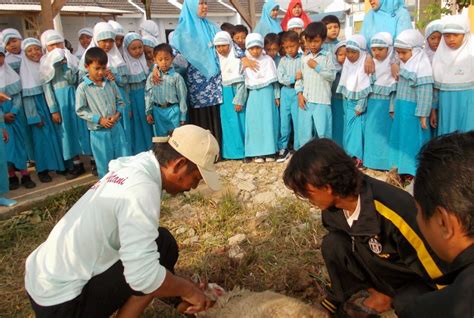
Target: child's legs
(233, 127)
(70, 130)
(16, 146)
(295, 110)
(125, 119)
(337, 110)
(305, 125)
(102, 145)
(166, 119)
(353, 130)
(121, 146)
(4, 187)
(142, 131)
(322, 118)
(285, 116)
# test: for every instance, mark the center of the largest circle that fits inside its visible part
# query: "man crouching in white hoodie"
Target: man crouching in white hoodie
(108, 253)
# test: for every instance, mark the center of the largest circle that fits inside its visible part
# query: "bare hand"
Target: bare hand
(106, 122)
(395, 71)
(358, 113)
(301, 101)
(312, 63)
(198, 301)
(277, 102)
(251, 64)
(109, 75)
(434, 118)
(116, 117)
(149, 119)
(423, 122)
(299, 75)
(156, 76)
(40, 124)
(369, 65)
(238, 108)
(4, 97)
(56, 117)
(9, 117)
(5, 135)
(392, 114)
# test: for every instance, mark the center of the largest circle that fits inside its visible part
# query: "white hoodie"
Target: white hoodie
(117, 218)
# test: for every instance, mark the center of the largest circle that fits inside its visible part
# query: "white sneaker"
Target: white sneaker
(283, 155)
(259, 160)
(270, 159)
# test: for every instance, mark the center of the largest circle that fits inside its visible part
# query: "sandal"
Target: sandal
(355, 308)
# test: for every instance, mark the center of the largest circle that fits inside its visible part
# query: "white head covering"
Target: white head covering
(81, 50)
(7, 35)
(149, 27)
(355, 83)
(104, 31)
(30, 70)
(432, 27)
(230, 65)
(454, 69)
(384, 82)
(137, 68)
(337, 47)
(418, 68)
(9, 80)
(266, 73)
(47, 70)
(295, 23)
(150, 41)
(118, 28)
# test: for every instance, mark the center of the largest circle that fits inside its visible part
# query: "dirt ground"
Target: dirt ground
(254, 234)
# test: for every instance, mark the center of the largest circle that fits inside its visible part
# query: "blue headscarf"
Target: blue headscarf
(267, 24)
(392, 16)
(193, 38)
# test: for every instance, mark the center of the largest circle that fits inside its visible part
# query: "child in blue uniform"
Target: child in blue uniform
(99, 102)
(58, 74)
(337, 107)
(314, 89)
(412, 104)
(46, 145)
(355, 87)
(289, 71)
(234, 98)
(239, 34)
(165, 101)
(378, 121)
(3, 155)
(137, 74)
(261, 117)
(333, 25)
(12, 41)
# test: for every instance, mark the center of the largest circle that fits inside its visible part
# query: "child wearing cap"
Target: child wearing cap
(11, 38)
(261, 118)
(289, 71)
(235, 95)
(119, 34)
(165, 102)
(99, 103)
(314, 89)
(296, 24)
(355, 86)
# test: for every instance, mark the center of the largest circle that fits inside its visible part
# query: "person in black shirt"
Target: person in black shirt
(374, 253)
(444, 191)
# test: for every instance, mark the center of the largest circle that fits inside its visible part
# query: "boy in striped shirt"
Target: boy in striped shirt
(165, 101)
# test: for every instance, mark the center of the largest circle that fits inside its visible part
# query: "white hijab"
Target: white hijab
(418, 66)
(9, 79)
(230, 65)
(80, 49)
(118, 28)
(355, 83)
(138, 69)
(267, 72)
(384, 82)
(48, 60)
(149, 27)
(337, 47)
(8, 34)
(29, 70)
(454, 69)
(432, 27)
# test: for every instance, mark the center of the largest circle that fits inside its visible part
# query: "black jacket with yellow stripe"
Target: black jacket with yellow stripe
(386, 238)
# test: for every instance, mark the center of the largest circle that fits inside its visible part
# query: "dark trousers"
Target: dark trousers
(351, 272)
(107, 292)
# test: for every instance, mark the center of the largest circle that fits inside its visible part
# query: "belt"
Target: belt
(163, 105)
(290, 86)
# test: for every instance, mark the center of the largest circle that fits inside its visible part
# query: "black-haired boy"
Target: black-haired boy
(239, 34)
(444, 191)
(373, 252)
(333, 25)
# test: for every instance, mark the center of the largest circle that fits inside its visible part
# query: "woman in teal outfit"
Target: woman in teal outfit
(269, 22)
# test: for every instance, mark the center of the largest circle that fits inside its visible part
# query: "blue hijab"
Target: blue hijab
(267, 24)
(392, 17)
(193, 39)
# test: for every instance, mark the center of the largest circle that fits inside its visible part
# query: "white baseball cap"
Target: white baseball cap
(200, 147)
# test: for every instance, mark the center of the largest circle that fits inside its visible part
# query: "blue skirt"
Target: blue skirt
(456, 111)
(337, 109)
(47, 149)
(16, 148)
(353, 130)
(4, 184)
(142, 131)
(378, 124)
(233, 126)
(72, 132)
(261, 123)
(406, 137)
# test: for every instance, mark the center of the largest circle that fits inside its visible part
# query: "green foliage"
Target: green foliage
(432, 12)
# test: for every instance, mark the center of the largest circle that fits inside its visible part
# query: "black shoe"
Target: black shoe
(80, 168)
(283, 155)
(75, 172)
(94, 170)
(27, 182)
(44, 177)
(14, 183)
(62, 173)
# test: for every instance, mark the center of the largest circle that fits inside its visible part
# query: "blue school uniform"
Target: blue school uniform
(337, 110)
(46, 143)
(121, 81)
(315, 120)
(455, 111)
(166, 101)
(60, 94)
(287, 69)
(142, 131)
(413, 100)
(94, 102)
(353, 138)
(4, 184)
(233, 122)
